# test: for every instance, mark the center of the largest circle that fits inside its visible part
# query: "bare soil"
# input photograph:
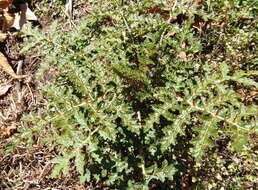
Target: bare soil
(29, 169)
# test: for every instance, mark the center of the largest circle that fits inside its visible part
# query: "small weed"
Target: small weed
(148, 89)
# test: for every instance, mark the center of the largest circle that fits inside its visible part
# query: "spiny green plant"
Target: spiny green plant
(128, 109)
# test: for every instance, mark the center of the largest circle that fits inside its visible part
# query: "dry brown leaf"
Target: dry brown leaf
(7, 131)
(3, 36)
(253, 92)
(182, 55)
(8, 69)
(18, 21)
(25, 10)
(187, 1)
(21, 18)
(220, 25)
(8, 20)
(4, 89)
(171, 34)
(198, 2)
(5, 3)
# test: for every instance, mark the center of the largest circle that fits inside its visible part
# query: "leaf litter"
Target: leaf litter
(26, 169)
(12, 20)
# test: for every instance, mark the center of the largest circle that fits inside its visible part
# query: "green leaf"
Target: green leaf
(203, 140)
(239, 140)
(79, 161)
(86, 177)
(62, 165)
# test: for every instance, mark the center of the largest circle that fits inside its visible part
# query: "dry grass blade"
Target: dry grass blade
(8, 69)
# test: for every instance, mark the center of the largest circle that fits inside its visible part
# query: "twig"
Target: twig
(33, 99)
(18, 83)
(126, 24)
(139, 116)
(69, 12)
(169, 20)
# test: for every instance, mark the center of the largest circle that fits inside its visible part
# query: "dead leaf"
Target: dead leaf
(18, 21)
(8, 20)
(21, 18)
(253, 92)
(171, 34)
(4, 89)
(7, 131)
(5, 3)
(200, 24)
(3, 36)
(198, 3)
(8, 69)
(154, 10)
(220, 24)
(25, 10)
(182, 55)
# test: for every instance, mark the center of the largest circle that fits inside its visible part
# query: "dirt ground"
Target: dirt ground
(25, 169)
